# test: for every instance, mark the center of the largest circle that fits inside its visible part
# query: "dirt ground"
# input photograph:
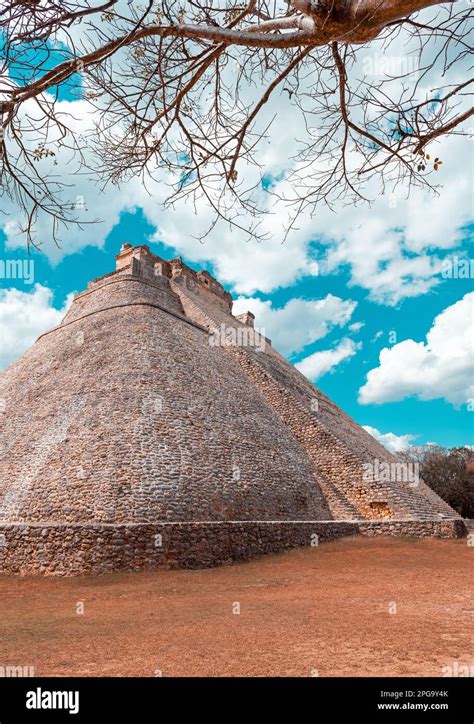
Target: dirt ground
(355, 607)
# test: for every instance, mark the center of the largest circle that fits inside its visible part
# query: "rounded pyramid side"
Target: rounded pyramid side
(359, 477)
(125, 414)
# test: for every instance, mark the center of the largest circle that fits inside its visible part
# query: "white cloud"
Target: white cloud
(394, 253)
(319, 363)
(82, 196)
(356, 327)
(394, 443)
(299, 322)
(389, 248)
(441, 367)
(23, 317)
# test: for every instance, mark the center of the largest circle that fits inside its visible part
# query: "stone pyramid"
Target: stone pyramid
(152, 427)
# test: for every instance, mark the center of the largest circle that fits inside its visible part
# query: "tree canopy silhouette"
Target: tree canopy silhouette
(183, 88)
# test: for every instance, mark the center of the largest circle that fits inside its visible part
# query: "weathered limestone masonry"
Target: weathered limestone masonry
(135, 434)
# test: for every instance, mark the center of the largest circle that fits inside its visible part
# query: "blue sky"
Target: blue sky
(382, 261)
(426, 420)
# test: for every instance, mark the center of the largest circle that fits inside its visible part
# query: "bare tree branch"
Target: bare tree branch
(186, 90)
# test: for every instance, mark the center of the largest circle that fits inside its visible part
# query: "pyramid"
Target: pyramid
(154, 428)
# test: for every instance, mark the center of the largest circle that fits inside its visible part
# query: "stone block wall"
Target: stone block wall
(125, 423)
(338, 448)
(141, 419)
(62, 550)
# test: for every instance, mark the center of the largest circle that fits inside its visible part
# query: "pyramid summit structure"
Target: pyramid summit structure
(152, 427)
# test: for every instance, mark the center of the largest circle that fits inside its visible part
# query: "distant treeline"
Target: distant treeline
(449, 472)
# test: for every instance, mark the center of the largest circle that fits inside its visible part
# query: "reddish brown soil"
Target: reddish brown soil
(322, 610)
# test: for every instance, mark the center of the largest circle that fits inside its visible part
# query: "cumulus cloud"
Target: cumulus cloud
(389, 248)
(82, 196)
(392, 248)
(300, 321)
(320, 363)
(394, 443)
(23, 317)
(356, 327)
(440, 367)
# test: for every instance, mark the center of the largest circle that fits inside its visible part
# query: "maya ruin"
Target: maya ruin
(154, 428)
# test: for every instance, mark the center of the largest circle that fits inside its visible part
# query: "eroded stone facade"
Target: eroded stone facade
(127, 423)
